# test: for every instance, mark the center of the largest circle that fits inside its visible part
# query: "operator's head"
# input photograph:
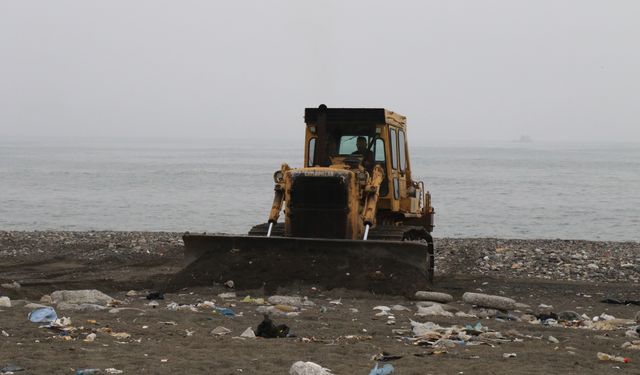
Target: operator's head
(361, 143)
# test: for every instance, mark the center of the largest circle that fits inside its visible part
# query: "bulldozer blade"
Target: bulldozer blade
(252, 262)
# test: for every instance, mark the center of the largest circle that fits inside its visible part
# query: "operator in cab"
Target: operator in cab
(363, 150)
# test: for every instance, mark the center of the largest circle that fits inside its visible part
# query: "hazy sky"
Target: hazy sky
(459, 70)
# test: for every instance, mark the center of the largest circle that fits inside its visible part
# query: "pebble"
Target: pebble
(89, 296)
(487, 300)
(5, 302)
(569, 316)
(553, 340)
(483, 313)
(434, 296)
(33, 306)
(13, 285)
(570, 260)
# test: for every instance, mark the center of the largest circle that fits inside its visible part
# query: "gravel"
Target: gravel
(563, 260)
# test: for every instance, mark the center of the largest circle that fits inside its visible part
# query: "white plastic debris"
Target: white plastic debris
(435, 310)
(382, 308)
(248, 333)
(220, 331)
(308, 368)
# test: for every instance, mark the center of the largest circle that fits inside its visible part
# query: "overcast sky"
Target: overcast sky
(459, 70)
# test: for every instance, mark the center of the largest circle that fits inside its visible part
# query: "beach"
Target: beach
(340, 329)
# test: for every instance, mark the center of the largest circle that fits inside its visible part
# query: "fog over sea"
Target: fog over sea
(506, 190)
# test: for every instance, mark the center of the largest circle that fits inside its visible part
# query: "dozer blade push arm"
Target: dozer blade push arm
(278, 197)
(372, 191)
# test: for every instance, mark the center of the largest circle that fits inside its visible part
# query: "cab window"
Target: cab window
(348, 144)
(394, 148)
(379, 150)
(311, 152)
(402, 151)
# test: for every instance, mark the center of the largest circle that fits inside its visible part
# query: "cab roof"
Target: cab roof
(353, 116)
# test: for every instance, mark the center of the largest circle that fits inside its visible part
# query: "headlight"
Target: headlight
(278, 177)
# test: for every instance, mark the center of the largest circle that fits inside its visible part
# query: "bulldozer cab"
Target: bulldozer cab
(333, 137)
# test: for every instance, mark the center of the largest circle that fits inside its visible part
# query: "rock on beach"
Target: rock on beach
(434, 296)
(487, 300)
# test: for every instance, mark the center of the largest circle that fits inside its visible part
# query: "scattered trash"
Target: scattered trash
(257, 301)
(509, 355)
(490, 301)
(220, 331)
(631, 345)
(434, 296)
(131, 293)
(90, 337)
(229, 295)
(612, 358)
(173, 306)
(4, 333)
(614, 301)
(229, 284)
(384, 370)
(87, 371)
(385, 357)
(275, 310)
(308, 368)
(43, 315)
(382, 308)
(155, 295)
(553, 340)
(269, 330)
(336, 302)
(5, 302)
(248, 333)
(112, 370)
(435, 310)
(288, 300)
(225, 311)
(10, 369)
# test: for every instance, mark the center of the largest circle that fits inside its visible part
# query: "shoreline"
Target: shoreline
(561, 260)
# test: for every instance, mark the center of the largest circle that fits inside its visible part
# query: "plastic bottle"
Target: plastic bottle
(608, 357)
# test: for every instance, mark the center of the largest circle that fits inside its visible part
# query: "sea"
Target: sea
(501, 189)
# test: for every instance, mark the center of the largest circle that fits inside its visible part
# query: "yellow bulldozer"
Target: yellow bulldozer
(354, 217)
